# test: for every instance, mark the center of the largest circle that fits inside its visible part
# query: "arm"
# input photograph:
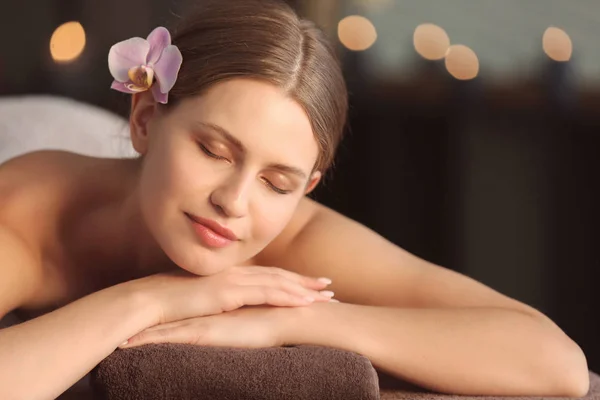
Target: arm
(57, 349)
(421, 321)
(60, 347)
(467, 351)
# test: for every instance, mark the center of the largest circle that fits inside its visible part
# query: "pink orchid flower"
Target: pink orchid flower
(135, 63)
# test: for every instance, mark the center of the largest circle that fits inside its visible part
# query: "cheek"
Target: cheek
(159, 186)
(272, 218)
(168, 172)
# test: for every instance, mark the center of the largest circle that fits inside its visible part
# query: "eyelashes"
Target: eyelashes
(275, 188)
(210, 153)
(218, 157)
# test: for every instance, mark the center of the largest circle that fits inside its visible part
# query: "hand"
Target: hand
(181, 295)
(248, 327)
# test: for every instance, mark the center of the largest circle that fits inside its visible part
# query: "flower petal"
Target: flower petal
(121, 87)
(125, 55)
(159, 97)
(159, 39)
(167, 68)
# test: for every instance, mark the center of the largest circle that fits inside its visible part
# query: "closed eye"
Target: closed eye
(210, 153)
(266, 181)
(275, 188)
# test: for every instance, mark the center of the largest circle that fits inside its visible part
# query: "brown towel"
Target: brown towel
(172, 371)
(176, 371)
(393, 389)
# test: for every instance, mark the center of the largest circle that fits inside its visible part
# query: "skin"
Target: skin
(134, 271)
(236, 189)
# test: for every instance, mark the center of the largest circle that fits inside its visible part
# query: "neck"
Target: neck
(111, 233)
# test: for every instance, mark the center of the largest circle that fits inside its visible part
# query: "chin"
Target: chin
(196, 259)
(203, 269)
(202, 262)
(182, 246)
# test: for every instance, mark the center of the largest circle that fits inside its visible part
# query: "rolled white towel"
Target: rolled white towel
(36, 122)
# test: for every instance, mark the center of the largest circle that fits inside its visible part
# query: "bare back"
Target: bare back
(41, 195)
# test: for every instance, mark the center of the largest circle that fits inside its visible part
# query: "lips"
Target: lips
(214, 226)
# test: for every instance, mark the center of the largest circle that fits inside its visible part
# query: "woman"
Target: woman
(235, 122)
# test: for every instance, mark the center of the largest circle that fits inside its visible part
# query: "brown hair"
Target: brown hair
(266, 40)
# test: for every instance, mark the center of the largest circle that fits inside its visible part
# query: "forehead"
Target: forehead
(266, 121)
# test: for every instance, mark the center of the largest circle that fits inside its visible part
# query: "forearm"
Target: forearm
(43, 357)
(463, 351)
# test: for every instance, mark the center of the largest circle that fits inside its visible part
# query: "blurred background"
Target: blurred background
(473, 136)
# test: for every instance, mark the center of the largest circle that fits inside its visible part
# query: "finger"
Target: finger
(167, 335)
(283, 283)
(280, 281)
(307, 281)
(258, 295)
(166, 326)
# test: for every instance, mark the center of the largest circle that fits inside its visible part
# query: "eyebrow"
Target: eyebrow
(239, 145)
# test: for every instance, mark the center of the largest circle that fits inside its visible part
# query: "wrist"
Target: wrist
(305, 325)
(320, 324)
(286, 321)
(140, 302)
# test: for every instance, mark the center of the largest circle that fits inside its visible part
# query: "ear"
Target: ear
(143, 108)
(312, 183)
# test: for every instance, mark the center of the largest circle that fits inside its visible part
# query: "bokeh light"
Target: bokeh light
(356, 33)
(67, 42)
(557, 44)
(431, 41)
(462, 62)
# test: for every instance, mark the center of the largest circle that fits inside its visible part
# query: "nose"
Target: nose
(231, 198)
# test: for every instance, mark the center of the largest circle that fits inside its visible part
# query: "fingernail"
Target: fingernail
(326, 281)
(334, 301)
(124, 343)
(327, 293)
(309, 299)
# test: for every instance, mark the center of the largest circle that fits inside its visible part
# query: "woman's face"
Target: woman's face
(239, 156)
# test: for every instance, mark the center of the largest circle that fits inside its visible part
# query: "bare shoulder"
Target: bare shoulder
(20, 271)
(366, 268)
(31, 195)
(30, 168)
(36, 162)
(27, 178)
(306, 211)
